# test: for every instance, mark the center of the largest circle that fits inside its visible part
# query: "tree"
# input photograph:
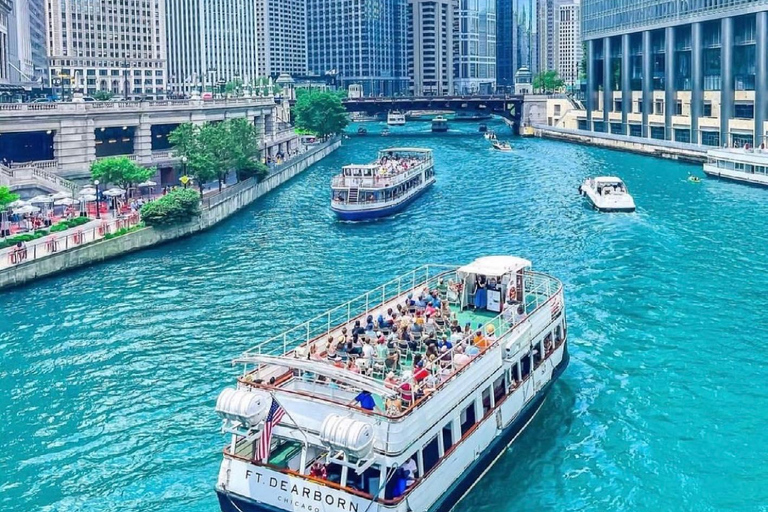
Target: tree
(320, 112)
(548, 81)
(120, 170)
(214, 143)
(7, 197)
(175, 207)
(183, 139)
(234, 86)
(243, 142)
(102, 95)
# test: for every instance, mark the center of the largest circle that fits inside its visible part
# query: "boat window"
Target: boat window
(525, 366)
(748, 168)
(515, 376)
(430, 455)
(369, 481)
(486, 401)
(537, 353)
(447, 436)
(467, 417)
(498, 389)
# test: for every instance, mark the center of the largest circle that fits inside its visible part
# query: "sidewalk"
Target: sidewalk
(64, 240)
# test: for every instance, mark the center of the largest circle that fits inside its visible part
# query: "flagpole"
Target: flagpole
(303, 462)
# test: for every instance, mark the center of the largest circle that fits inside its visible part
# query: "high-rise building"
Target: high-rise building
(282, 36)
(546, 10)
(210, 42)
(568, 46)
(26, 40)
(475, 59)
(107, 45)
(430, 46)
(5, 13)
(694, 71)
(516, 45)
(359, 42)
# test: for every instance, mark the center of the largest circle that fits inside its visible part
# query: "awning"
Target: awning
(495, 265)
(13, 89)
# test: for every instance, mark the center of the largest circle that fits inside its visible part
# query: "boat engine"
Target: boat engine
(242, 406)
(348, 435)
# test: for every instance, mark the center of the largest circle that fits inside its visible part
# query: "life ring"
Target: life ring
(77, 237)
(512, 294)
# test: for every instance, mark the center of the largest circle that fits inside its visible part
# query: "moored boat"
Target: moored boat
(384, 187)
(439, 124)
(396, 118)
(744, 165)
(607, 194)
(411, 425)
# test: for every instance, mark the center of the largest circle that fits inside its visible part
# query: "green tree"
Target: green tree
(215, 146)
(234, 86)
(120, 170)
(7, 197)
(183, 139)
(243, 142)
(320, 112)
(548, 81)
(177, 206)
(102, 95)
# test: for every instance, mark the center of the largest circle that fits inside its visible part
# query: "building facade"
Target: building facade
(360, 42)
(568, 44)
(475, 58)
(694, 71)
(5, 13)
(430, 46)
(516, 45)
(282, 37)
(546, 12)
(105, 45)
(26, 43)
(210, 42)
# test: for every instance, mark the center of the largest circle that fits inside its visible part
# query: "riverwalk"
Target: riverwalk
(91, 245)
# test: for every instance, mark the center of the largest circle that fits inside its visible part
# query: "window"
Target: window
(710, 138)
(635, 130)
(498, 390)
(657, 132)
(467, 418)
(617, 128)
(486, 401)
(679, 107)
(582, 124)
(658, 107)
(707, 109)
(430, 455)
(617, 105)
(599, 126)
(447, 436)
(744, 110)
(682, 135)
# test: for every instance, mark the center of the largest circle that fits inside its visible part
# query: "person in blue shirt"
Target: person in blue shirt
(444, 343)
(366, 401)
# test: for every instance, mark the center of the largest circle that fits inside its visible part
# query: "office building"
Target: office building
(694, 71)
(27, 61)
(475, 59)
(210, 42)
(282, 37)
(105, 45)
(546, 11)
(359, 42)
(568, 45)
(5, 13)
(430, 46)
(516, 45)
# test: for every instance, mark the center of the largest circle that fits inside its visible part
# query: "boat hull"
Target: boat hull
(230, 502)
(376, 213)
(760, 180)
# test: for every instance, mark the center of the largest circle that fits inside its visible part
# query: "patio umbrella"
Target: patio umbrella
(61, 195)
(148, 183)
(66, 201)
(18, 203)
(86, 191)
(87, 198)
(114, 192)
(41, 200)
(26, 209)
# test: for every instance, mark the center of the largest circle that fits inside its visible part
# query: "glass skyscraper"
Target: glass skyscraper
(475, 60)
(515, 39)
(689, 71)
(359, 42)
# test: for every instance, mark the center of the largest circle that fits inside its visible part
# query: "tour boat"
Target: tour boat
(500, 146)
(607, 194)
(439, 124)
(745, 165)
(384, 187)
(395, 118)
(376, 432)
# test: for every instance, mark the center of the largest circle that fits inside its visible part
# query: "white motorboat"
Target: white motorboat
(607, 194)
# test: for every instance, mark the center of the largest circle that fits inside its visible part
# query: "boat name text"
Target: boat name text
(302, 492)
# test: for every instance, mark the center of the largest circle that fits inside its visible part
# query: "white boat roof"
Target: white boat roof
(752, 156)
(411, 150)
(495, 265)
(608, 179)
(362, 166)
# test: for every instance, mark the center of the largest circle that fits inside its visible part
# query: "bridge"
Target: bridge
(507, 106)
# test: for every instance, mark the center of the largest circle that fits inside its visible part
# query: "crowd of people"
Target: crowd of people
(392, 163)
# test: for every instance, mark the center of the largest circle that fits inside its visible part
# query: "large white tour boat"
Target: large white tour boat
(399, 400)
(745, 165)
(384, 187)
(396, 118)
(607, 194)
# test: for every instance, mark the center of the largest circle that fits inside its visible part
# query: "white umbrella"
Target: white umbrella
(18, 203)
(26, 209)
(66, 201)
(41, 200)
(114, 192)
(85, 191)
(88, 198)
(61, 195)
(148, 183)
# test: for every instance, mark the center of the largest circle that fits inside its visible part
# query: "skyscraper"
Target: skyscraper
(210, 41)
(568, 51)
(546, 10)
(107, 45)
(430, 46)
(359, 42)
(516, 39)
(282, 36)
(475, 60)
(5, 12)
(685, 71)
(26, 42)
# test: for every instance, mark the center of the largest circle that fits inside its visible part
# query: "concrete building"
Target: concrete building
(475, 59)
(5, 13)
(106, 45)
(515, 40)
(27, 61)
(694, 71)
(568, 44)
(430, 46)
(210, 41)
(359, 42)
(545, 18)
(281, 27)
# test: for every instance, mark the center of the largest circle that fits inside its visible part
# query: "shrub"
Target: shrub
(176, 207)
(61, 226)
(253, 169)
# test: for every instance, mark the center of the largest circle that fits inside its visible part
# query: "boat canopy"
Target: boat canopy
(495, 266)
(602, 180)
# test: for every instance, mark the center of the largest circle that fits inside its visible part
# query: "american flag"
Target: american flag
(276, 413)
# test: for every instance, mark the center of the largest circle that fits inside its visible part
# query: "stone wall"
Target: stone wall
(216, 209)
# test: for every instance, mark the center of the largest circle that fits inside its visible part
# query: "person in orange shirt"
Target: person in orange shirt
(479, 340)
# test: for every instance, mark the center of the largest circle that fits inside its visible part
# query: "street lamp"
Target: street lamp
(98, 210)
(184, 178)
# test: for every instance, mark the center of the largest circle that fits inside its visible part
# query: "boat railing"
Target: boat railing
(380, 181)
(427, 275)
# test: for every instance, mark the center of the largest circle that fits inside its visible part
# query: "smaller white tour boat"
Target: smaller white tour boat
(607, 194)
(745, 165)
(501, 145)
(396, 118)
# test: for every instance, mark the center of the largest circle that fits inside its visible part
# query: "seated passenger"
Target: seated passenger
(393, 406)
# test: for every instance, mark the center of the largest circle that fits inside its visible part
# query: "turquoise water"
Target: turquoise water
(108, 375)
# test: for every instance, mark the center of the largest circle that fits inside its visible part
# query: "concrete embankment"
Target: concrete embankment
(215, 209)
(651, 147)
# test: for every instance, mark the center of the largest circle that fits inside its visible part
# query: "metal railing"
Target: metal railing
(132, 105)
(695, 148)
(381, 181)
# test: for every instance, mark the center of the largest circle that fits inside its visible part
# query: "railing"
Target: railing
(55, 243)
(100, 106)
(626, 138)
(380, 181)
(55, 179)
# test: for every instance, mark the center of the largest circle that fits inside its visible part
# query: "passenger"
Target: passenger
(393, 405)
(444, 342)
(366, 401)
(410, 472)
(367, 349)
(391, 381)
(338, 362)
(352, 366)
(520, 314)
(381, 348)
(490, 334)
